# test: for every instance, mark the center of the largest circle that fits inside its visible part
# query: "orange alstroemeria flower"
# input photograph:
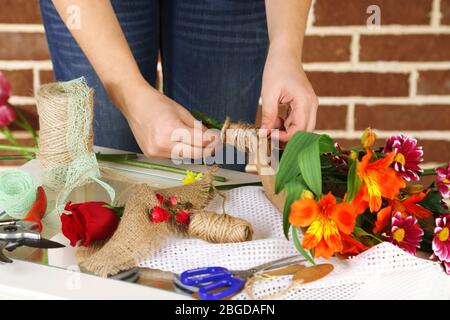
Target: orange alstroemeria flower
(408, 206)
(379, 180)
(326, 221)
(351, 246)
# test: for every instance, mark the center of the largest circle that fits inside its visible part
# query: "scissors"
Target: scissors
(17, 233)
(215, 283)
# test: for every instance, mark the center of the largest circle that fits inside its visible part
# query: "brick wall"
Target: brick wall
(396, 78)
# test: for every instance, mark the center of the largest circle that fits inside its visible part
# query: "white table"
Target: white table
(24, 279)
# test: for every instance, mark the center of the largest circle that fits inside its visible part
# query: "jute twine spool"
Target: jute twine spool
(219, 228)
(66, 138)
(243, 136)
(60, 141)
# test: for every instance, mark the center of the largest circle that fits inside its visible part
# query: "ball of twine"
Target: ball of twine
(17, 193)
(219, 228)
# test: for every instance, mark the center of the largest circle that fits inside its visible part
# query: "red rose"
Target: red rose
(5, 89)
(89, 221)
(7, 115)
(160, 214)
(160, 199)
(182, 216)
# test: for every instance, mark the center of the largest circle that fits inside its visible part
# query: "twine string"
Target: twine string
(219, 228)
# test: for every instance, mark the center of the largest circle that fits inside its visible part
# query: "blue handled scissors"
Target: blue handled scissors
(215, 283)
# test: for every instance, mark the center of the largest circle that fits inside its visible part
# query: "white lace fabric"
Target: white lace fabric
(383, 272)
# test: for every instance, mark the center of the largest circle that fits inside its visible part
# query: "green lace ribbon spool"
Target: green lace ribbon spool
(17, 193)
(66, 139)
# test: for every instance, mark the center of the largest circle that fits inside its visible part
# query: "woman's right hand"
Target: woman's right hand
(162, 127)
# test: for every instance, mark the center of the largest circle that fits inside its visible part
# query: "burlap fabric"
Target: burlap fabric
(136, 237)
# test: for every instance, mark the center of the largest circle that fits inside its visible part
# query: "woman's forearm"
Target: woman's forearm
(104, 44)
(286, 21)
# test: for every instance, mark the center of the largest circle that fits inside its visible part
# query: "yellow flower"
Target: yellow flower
(192, 176)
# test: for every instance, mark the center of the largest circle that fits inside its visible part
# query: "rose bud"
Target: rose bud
(5, 89)
(160, 214)
(182, 216)
(89, 221)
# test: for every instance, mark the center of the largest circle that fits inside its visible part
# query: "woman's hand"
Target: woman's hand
(162, 127)
(285, 82)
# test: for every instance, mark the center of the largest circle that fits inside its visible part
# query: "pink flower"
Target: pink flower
(182, 216)
(160, 214)
(5, 89)
(408, 156)
(172, 201)
(441, 241)
(443, 181)
(7, 115)
(405, 233)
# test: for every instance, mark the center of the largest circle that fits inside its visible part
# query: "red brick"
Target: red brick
(20, 11)
(445, 9)
(46, 76)
(331, 117)
(354, 12)
(21, 82)
(405, 48)
(23, 46)
(326, 49)
(436, 82)
(370, 84)
(401, 118)
(434, 150)
(24, 142)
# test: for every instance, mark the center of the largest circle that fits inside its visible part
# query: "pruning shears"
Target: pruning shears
(16, 233)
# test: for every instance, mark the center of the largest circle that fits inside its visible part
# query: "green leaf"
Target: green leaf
(300, 248)
(309, 163)
(432, 202)
(302, 156)
(288, 168)
(293, 191)
(354, 182)
(326, 144)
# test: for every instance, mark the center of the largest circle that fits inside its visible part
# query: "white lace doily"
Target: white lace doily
(383, 272)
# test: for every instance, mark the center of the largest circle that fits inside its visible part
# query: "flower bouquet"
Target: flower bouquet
(347, 200)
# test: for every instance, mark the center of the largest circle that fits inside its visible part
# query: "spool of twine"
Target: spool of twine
(17, 193)
(66, 133)
(243, 136)
(219, 228)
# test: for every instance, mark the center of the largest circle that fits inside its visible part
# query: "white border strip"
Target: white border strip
(27, 28)
(424, 135)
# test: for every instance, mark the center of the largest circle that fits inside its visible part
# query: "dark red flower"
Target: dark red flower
(5, 89)
(7, 115)
(160, 214)
(182, 216)
(88, 221)
(160, 199)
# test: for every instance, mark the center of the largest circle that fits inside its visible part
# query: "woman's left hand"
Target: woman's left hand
(285, 82)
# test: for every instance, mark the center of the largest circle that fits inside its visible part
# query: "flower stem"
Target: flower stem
(428, 172)
(25, 124)
(18, 148)
(157, 166)
(14, 157)
(208, 121)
